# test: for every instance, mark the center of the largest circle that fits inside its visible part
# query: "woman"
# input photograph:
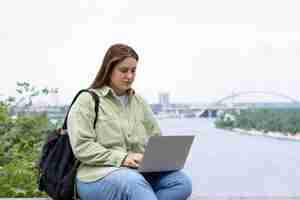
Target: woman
(110, 153)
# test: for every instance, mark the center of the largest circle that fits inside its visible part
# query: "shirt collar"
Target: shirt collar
(105, 90)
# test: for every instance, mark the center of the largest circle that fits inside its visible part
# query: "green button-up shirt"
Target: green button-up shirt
(119, 130)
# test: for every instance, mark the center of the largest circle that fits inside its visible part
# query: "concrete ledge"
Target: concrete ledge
(287, 197)
(199, 197)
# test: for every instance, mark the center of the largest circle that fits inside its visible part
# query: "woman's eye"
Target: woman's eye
(123, 70)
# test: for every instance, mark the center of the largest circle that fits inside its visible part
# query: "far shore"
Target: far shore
(276, 135)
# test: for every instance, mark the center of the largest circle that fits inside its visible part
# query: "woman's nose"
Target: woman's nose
(129, 75)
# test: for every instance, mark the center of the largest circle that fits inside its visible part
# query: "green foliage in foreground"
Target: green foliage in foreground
(265, 120)
(20, 144)
(21, 139)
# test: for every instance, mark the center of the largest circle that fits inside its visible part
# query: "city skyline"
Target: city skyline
(165, 99)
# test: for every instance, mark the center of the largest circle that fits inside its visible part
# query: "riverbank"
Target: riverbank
(276, 135)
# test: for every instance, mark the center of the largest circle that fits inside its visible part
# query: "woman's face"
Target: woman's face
(123, 75)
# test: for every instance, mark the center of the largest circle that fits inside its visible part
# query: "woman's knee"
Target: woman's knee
(185, 183)
(182, 182)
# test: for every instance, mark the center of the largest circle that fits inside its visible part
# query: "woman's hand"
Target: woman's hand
(133, 160)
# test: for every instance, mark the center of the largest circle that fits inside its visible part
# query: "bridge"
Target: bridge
(214, 109)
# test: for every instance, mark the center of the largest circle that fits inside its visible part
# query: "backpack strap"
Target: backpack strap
(96, 100)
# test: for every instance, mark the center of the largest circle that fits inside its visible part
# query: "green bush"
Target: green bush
(21, 140)
(265, 120)
(20, 144)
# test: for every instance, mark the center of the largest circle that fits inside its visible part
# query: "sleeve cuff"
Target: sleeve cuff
(119, 158)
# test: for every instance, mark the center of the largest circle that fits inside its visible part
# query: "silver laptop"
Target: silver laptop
(166, 153)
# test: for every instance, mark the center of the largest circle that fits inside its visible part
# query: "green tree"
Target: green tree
(21, 139)
(286, 121)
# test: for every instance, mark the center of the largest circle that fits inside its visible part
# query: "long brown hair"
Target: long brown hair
(115, 54)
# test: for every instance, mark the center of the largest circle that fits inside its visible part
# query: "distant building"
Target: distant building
(53, 112)
(164, 99)
(156, 108)
(57, 112)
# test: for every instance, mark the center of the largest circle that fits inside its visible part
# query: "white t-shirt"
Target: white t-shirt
(123, 99)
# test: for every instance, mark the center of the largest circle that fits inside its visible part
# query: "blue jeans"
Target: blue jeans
(128, 184)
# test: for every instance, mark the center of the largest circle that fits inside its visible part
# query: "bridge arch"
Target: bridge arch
(217, 103)
(293, 100)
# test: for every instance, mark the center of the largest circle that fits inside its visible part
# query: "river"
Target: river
(225, 163)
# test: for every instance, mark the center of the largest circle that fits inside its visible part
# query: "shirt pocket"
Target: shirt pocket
(109, 133)
(140, 131)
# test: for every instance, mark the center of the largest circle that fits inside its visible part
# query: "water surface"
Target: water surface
(225, 163)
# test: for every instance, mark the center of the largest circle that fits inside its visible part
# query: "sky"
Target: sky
(198, 51)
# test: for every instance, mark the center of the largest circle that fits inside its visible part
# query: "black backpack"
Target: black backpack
(57, 165)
